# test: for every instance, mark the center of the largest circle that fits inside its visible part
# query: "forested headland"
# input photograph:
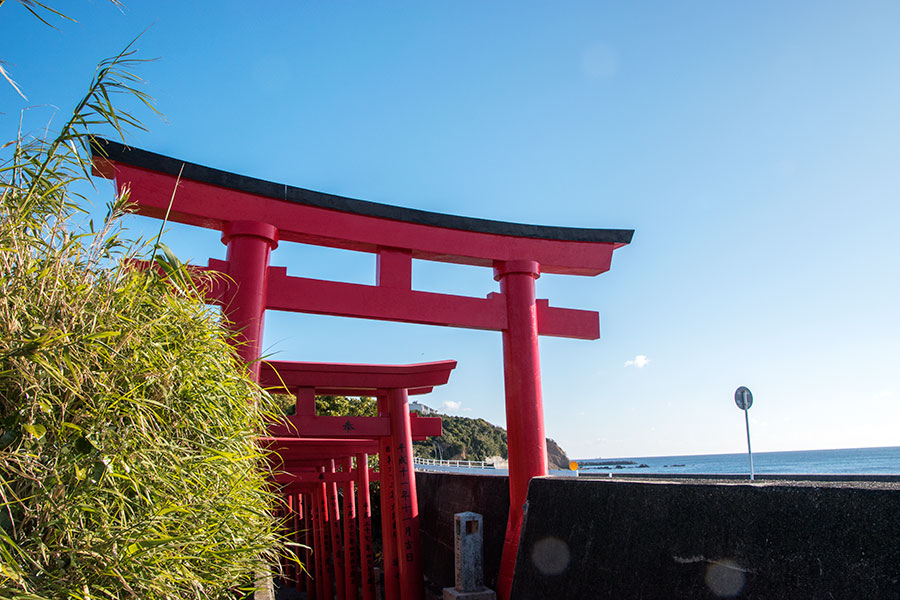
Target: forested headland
(475, 439)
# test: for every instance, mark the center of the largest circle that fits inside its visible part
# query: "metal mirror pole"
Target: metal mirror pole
(744, 400)
(749, 451)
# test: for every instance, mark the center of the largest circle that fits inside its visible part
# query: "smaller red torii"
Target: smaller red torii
(304, 438)
(306, 380)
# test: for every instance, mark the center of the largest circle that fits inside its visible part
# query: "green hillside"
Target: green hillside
(476, 439)
(463, 438)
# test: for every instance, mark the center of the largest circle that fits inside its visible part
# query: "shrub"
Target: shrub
(128, 461)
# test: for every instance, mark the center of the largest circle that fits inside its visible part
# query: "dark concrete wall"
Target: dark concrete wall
(617, 539)
(441, 496)
(664, 540)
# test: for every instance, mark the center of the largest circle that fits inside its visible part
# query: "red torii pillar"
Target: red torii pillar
(351, 537)
(249, 246)
(364, 512)
(389, 552)
(526, 442)
(297, 520)
(323, 576)
(216, 199)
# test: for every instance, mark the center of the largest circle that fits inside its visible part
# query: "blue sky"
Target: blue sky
(754, 148)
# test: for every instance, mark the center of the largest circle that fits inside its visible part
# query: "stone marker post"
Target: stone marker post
(468, 546)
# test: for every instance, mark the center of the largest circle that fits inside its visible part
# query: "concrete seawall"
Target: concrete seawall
(662, 539)
(442, 495)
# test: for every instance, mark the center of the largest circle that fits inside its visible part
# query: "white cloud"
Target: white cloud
(451, 405)
(639, 362)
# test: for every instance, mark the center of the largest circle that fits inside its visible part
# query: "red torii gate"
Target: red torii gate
(253, 215)
(394, 429)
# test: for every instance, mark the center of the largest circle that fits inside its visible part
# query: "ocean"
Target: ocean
(849, 461)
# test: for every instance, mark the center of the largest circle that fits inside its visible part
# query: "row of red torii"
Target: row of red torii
(253, 216)
(312, 447)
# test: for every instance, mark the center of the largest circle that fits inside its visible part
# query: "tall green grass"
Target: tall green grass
(128, 461)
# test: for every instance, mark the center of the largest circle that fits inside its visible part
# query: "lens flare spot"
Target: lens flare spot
(599, 61)
(550, 556)
(725, 578)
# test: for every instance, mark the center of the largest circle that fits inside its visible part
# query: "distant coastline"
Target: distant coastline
(611, 464)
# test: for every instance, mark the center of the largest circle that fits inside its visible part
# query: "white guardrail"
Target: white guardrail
(464, 464)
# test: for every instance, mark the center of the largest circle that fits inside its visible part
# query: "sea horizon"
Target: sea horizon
(744, 453)
(864, 461)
